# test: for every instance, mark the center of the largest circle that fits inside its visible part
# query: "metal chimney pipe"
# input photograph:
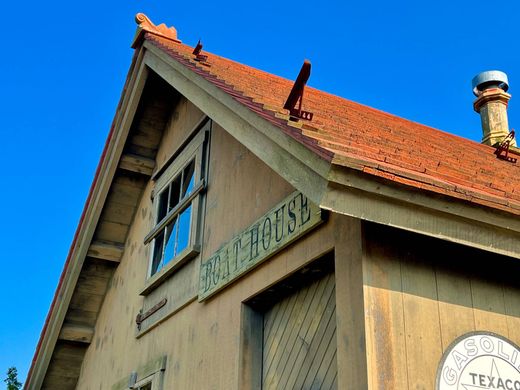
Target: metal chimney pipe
(490, 88)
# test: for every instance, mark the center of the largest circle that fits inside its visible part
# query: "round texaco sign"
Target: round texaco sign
(480, 360)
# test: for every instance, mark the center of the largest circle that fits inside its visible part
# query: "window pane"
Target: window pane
(188, 178)
(157, 253)
(163, 203)
(148, 386)
(171, 233)
(184, 230)
(175, 194)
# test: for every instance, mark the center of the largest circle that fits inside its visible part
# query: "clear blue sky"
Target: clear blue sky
(64, 63)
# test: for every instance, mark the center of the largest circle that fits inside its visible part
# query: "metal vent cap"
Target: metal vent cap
(489, 79)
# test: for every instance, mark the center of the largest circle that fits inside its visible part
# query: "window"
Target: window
(173, 238)
(177, 199)
(149, 376)
(148, 386)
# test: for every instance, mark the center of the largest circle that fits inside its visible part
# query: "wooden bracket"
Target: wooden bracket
(76, 333)
(137, 164)
(106, 251)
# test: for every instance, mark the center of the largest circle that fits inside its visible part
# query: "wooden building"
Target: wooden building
(231, 243)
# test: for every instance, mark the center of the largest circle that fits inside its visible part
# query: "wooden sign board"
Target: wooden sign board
(289, 220)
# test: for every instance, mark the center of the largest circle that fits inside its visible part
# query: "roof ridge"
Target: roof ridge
(144, 24)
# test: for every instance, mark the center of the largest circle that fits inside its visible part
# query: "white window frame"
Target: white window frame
(195, 149)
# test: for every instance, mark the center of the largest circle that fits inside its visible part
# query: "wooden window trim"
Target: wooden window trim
(192, 150)
(155, 380)
(152, 372)
(174, 264)
(197, 189)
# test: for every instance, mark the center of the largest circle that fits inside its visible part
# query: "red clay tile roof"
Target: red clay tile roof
(366, 139)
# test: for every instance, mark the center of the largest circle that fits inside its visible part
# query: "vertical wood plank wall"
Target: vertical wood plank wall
(400, 299)
(202, 337)
(299, 339)
(421, 294)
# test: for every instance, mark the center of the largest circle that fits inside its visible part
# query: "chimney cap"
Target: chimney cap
(489, 79)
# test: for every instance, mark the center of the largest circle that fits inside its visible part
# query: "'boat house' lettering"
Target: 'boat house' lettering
(289, 220)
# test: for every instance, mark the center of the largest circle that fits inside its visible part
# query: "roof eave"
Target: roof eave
(88, 221)
(355, 193)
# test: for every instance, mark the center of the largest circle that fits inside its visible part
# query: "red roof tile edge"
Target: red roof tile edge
(426, 182)
(80, 225)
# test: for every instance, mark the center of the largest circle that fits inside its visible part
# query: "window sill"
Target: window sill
(158, 278)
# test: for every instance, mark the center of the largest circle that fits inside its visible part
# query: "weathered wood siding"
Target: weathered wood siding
(400, 299)
(421, 294)
(299, 339)
(196, 337)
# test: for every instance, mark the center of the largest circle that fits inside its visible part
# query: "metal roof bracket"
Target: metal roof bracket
(502, 151)
(296, 94)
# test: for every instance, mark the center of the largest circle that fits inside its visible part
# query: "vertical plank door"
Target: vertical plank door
(299, 339)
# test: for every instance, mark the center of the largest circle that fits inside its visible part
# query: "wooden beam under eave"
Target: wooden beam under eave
(105, 251)
(138, 164)
(77, 333)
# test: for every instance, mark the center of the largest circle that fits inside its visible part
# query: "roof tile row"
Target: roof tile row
(366, 139)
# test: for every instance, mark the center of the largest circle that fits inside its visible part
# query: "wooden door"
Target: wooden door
(299, 339)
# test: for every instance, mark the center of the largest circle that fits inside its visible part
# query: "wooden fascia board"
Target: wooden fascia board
(129, 100)
(355, 179)
(298, 165)
(358, 195)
